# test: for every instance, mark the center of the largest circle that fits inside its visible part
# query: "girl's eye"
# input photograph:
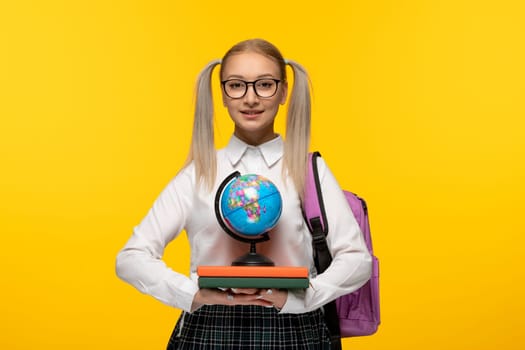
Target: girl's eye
(265, 84)
(235, 85)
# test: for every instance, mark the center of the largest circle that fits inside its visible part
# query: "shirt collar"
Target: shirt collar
(271, 150)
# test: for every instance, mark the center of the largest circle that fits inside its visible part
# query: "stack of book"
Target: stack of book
(285, 277)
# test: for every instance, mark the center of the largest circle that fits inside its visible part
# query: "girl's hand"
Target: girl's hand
(237, 296)
(277, 297)
(241, 296)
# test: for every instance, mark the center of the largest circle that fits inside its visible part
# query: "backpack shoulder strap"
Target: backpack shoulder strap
(313, 197)
(315, 214)
(315, 217)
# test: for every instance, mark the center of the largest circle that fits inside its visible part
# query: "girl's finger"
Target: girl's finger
(244, 290)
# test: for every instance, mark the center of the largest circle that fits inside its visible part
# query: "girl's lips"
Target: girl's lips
(251, 113)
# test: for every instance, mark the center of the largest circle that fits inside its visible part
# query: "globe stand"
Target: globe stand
(252, 258)
(249, 259)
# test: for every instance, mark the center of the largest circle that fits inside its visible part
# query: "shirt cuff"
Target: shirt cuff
(294, 303)
(184, 295)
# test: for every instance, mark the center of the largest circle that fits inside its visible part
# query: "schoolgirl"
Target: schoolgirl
(254, 86)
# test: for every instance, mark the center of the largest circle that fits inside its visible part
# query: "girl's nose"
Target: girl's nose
(251, 97)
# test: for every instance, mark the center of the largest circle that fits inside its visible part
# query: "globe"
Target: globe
(250, 205)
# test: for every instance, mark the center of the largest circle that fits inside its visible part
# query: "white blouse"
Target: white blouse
(180, 206)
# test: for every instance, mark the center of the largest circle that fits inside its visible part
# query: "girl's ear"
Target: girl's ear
(284, 93)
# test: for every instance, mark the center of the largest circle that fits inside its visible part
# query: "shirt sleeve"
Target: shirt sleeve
(351, 266)
(140, 261)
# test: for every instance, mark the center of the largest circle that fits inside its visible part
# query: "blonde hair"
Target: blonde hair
(297, 140)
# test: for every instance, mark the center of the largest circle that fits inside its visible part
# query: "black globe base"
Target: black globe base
(252, 259)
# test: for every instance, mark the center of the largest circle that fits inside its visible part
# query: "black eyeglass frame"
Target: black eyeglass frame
(247, 83)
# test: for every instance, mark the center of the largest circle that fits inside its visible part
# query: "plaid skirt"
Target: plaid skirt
(249, 327)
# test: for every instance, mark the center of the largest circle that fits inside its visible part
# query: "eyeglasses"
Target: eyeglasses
(264, 88)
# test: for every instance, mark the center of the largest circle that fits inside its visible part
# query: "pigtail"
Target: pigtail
(297, 140)
(202, 150)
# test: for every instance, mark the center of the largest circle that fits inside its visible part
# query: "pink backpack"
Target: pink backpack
(357, 313)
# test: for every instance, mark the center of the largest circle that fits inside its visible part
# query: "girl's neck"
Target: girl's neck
(253, 139)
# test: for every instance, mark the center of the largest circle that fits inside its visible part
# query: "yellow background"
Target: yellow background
(418, 107)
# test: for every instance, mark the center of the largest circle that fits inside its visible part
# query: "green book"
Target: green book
(253, 282)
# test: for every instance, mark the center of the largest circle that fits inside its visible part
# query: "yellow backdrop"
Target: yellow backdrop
(418, 107)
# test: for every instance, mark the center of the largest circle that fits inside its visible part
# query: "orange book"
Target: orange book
(253, 271)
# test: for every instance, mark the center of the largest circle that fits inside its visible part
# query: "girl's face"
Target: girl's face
(253, 115)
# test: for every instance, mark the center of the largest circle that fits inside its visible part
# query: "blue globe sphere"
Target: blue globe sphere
(250, 205)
